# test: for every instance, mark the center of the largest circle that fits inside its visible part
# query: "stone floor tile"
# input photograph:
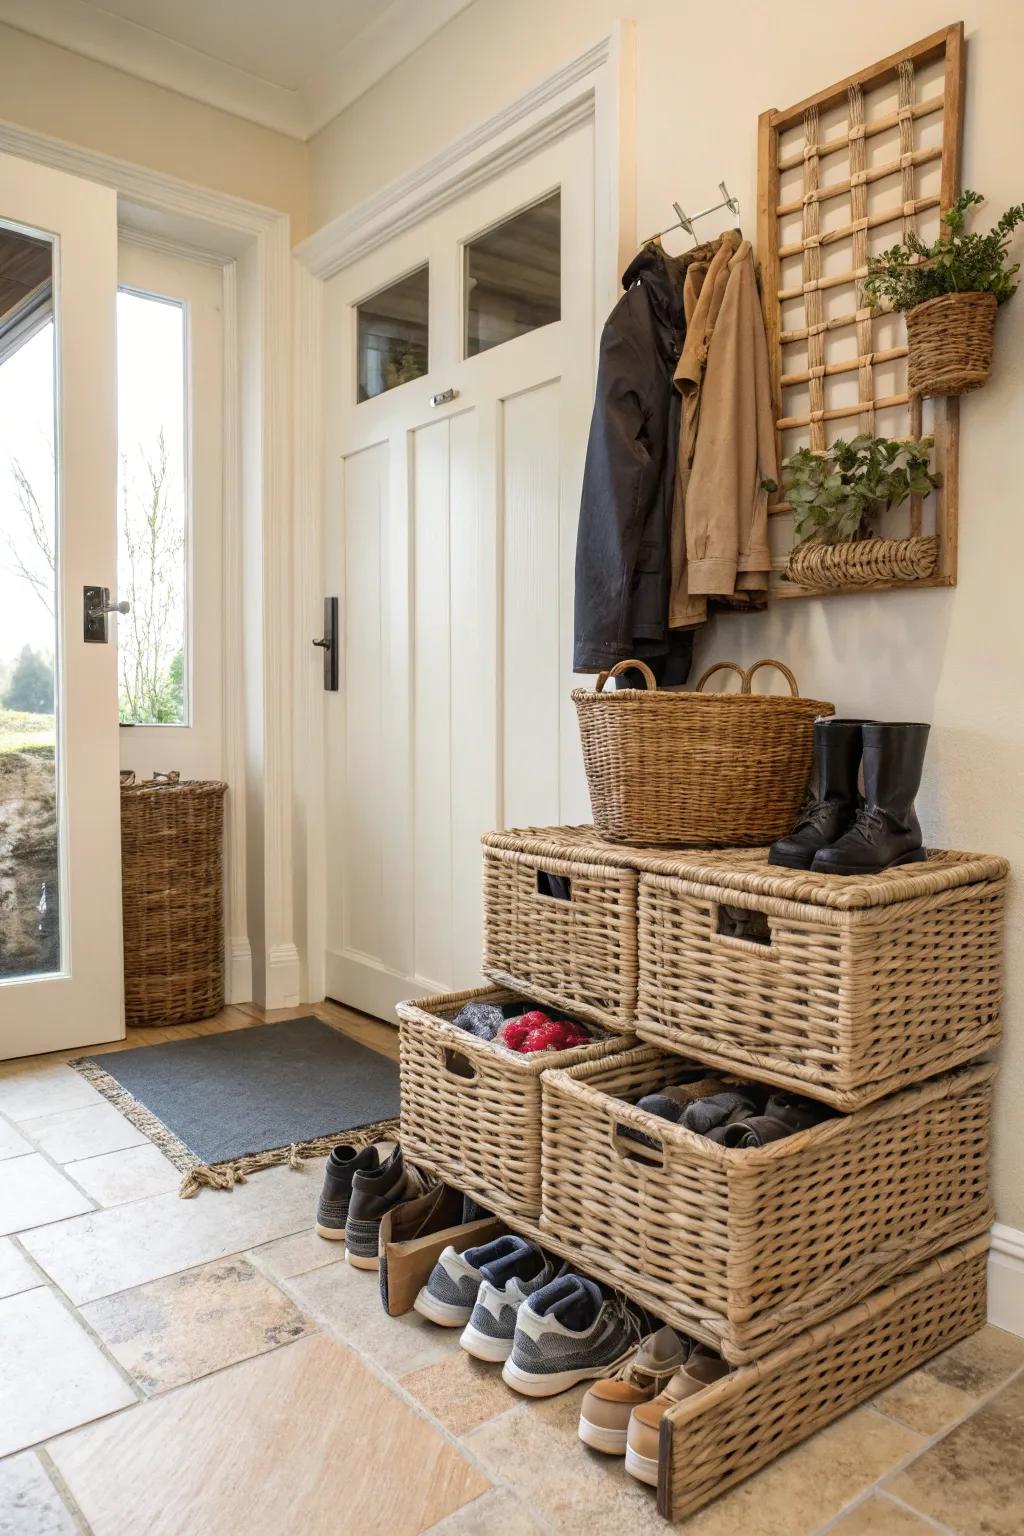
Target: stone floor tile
(296, 1255)
(185, 1326)
(29, 1503)
(132, 1174)
(73, 1134)
(346, 1303)
(16, 1273)
(496, 1514)
(879, 1516)
(935, 1396)
(128, 1245)
(267, 1447)
(30, 1089)
(12, 1142)
(32, 1193)
(54, 1375)
(461, 1392)
(971, 1479)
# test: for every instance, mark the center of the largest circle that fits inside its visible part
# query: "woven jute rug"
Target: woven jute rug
(223, 1106)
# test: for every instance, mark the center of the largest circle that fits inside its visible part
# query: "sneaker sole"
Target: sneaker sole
(335, 1234)
(556, 1381)
(482, 1347)
(643, 1468)
(444, 1313)
(361, 1260)
(611, 1441)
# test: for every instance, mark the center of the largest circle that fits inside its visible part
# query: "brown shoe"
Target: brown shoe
(644, 1432)
(605, 1411)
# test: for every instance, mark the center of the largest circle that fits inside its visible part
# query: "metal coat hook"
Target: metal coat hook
(688, 220)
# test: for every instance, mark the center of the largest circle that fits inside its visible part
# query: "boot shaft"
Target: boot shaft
(837, 754)
(893, 765)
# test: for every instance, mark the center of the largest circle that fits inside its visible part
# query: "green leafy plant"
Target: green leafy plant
(839, 495)
(912, 272)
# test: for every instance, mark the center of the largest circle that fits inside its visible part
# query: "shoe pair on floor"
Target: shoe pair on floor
(622, 1415)
(358, 1190)
(839, 833)
(550, 1328)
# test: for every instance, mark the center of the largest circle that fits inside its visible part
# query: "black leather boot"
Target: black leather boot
(887, 831)
(832, 801)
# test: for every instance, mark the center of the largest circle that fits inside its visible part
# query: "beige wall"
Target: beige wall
(53, 91)
(704, 72)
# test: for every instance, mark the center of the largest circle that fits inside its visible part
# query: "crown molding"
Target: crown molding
(401, 27)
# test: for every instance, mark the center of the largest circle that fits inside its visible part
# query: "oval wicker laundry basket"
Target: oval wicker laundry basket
(172, 864)
(704, 769)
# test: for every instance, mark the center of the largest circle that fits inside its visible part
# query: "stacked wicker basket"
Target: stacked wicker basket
(824, 1265)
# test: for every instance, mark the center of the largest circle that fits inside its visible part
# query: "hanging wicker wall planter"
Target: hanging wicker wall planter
(863, 561)
(950, 343)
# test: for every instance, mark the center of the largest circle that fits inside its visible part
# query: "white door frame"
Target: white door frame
(252, 245)
(598, 86)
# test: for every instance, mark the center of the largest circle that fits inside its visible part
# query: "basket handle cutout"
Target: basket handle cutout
(721, 666)
(632, 1151)
(743, 925)
(554, 887)
(625, 666)
(780, 666)
(458, 1064)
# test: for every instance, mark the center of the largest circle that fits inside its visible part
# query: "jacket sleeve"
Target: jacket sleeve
(620, 481)
(726, 511)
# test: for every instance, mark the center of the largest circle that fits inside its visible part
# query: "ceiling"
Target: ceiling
(289, 64)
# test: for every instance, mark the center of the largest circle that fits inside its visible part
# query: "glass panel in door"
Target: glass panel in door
(30, 881)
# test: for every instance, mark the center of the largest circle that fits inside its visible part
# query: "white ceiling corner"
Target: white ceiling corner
(290, 66)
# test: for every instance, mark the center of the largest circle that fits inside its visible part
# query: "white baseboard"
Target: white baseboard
(1006, 1279)
(283, 977)
(238, 978)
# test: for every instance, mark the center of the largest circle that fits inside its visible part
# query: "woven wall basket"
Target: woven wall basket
(950, 343)
(705, 769)
(863, 560)
(172, 881)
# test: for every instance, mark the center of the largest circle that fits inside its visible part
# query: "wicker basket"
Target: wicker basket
(863, 984)
(471, 1111)
(560, 921)
(750, 1247)
(863, 561)
(706, 769)
(949, 342)
(172, 839)
(728, 1431)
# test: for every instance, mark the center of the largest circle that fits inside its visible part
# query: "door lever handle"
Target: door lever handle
(324, 644)
(124, 606)
(96, 605)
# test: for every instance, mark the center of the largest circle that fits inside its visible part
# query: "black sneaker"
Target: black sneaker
(374, 1191)
(342, 1165)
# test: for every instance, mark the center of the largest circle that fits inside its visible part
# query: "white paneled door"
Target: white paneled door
(60, 865)
(459, 385)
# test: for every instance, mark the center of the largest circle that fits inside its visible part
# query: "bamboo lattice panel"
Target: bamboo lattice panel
(842, 176)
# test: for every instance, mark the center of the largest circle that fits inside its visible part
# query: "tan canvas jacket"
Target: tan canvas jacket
(725, 512)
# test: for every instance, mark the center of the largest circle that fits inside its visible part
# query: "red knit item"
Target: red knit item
(535, 1031)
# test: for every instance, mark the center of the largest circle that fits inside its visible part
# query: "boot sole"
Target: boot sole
(643, 1468)
(916, 856)
(778, 863)
(611, 1441)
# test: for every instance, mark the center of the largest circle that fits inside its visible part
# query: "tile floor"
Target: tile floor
(212, 1366)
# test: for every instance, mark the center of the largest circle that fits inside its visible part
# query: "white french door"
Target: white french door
(60, 885)
(452, 509)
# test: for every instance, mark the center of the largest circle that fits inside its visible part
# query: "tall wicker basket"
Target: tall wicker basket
(172, 863)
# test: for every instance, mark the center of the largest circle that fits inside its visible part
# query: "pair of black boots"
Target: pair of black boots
(841, 833)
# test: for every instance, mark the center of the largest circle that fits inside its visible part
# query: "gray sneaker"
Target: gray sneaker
(568, 1332)
(449, 1295)
(506, 1283)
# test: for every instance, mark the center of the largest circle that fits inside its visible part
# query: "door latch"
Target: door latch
(328, 643)
(96, 605)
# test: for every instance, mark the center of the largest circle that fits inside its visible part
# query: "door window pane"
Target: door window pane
(152, 566)
(30, 943)
(393, 335)
(514, 277)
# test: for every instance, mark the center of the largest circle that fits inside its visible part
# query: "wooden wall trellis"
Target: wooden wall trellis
(813, 425)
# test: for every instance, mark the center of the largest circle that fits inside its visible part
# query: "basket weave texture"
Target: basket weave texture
(708, 769)
(863, 561)
(172, 883)
(471, 1111)
(949, 341)
(756, 1245)
(866, 984)
(726, 1432)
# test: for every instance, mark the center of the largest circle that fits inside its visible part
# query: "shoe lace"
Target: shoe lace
(813, 812)
(870, 821)
(635, 1325)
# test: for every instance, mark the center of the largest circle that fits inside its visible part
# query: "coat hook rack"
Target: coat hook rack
(688, 220)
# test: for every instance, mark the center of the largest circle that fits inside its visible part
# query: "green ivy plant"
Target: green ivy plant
(912, 272)
(839, 495)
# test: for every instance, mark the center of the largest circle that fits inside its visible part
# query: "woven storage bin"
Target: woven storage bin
(172, 884)
(471, 1111)
(949, 342)
(867, 983)
(749, 1247)
(696, 768)
(729, 1430)
(560, 921)
(863, 560)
